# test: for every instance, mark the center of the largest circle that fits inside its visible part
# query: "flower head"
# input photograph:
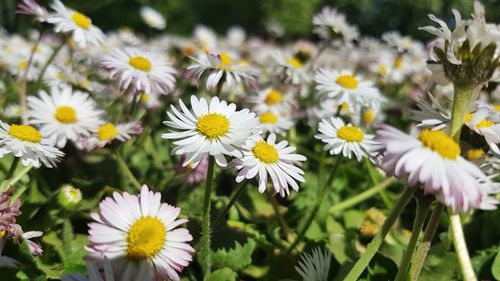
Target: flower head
(153, 18)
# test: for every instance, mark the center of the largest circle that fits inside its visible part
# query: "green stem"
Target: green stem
(234, 197)
(461, 101)
(321, 196)
(205, 227)
(125, 169)
(67, 235)
(423, 205)
(135, 101)
(425, 244)
(23, 79)
(377, 241)
(49, 61)
(461, 247)
(10, 182)
(281, 220)
(13, 167)
(362, 196)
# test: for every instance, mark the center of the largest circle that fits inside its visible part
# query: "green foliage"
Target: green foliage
(236, 259)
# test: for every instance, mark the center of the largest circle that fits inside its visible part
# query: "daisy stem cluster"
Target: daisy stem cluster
(377, 241)
(322, 193)
(204, 252)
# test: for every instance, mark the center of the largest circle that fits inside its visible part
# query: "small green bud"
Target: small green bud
(69, 197)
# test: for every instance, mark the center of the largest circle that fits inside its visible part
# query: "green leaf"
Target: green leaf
(495, 267)
(224, 274)
(236, 259)
(353, 218)
(74, 262)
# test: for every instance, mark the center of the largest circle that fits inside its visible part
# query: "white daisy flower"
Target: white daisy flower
(433, 162)
(345, 86)
(205, 37)
(265, 159)
(330, 24)
(64, 114)
(401, 43)
(139, 236)
(315, 266)
(217, 69)
(288, 67)
(31, 7)
(431, 115)
(28, 144)
(67, 20)
(107, 133)
(153, 18)
(217, 129)
(275, 123)
(345, 139)
(143, 71)
(485, 122)
(271, 99)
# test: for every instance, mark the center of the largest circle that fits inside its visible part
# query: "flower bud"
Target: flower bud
(69, 197)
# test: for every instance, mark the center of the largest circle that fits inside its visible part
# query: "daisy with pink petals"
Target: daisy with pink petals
(139, 236)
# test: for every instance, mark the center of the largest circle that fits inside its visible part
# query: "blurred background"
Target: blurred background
(373, 17)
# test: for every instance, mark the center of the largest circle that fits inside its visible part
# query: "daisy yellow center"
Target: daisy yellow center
(368, 116)
(344, 106)
(347, 81)
(496, 107)
(2, 234)
(268, 118)
(23, 64)
(398, 63)
(273, 97)
(25, 133)
(107, 132)
(145, 238)
(293, 61)
(473, 154)
(213, 125)
(145, 97)
(382, 69)
(81, 20)
(225, 61)
(439, 142)
(350, 134)
(65, 114)
(485, 123)
(265, 152)
(140, 63)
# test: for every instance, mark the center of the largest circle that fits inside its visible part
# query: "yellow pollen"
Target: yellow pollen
(145, 97)
(213, 125)
(485, 123)
(440, 143)
(382, 69)
(273, 97)
(344, 106)
(225, 61)
(398, 63)
(473, 154)
(146, 238)
(350, 134)
(293, 61)
(265, 152)
(23, 64)
(368, 116)
(496, 107)
(268, 118)
(347, 81)
(81, 20)
(107, 132)
(140, 63)
(65, 114)
(25, 133)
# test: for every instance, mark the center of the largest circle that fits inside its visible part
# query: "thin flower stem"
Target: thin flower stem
(425, 244)
(353, 201)
(321, 196)
(205, 227)
(423, 205)
(281, 220)
(125, 169)
(10, 182)
(13, 167)
(461, 247)
(135, 101)
(234, 197)
(377, 241)
(23, 79)
(38, 83)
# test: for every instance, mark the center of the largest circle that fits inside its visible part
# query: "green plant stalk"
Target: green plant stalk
(423, 205)
(353, 201)
(419, 257)
(234, 197)
(10, 182)
(23, 81)
(49, 61)
(276, 208)
(12, 169)
(67, 235)
(125, 169)
(377, 241)
(206, 263)
(321, 196)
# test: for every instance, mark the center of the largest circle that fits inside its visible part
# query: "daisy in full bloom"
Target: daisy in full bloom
(152, 18)
(345, 86)
(139, 236)
(275, 122)
(28, 144)
(315, 266)
(433, 162)
(67, 20)
(289, 67)
(271, 99)
(330, 24)
(220, 69)
(107, 133)
(143, 71)
(64, 115)
(485, 122)
(214, 128)
(345, 139)
(264, 159)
